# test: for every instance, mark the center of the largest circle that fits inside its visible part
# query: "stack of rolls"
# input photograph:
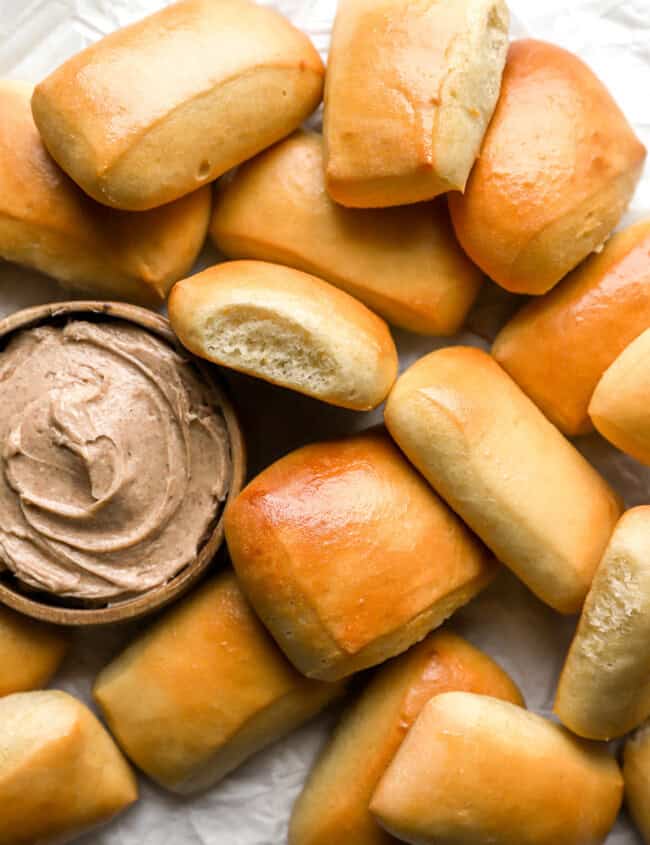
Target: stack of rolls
(161, 706)
(335, 800)
(49, 224)
(432, 171)
(558, 346)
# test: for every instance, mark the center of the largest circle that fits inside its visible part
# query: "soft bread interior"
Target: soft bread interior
(612, 613)
(259, 340)
(604, 690)
(470, 90)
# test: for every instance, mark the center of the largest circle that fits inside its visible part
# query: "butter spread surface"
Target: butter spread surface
(114, 462)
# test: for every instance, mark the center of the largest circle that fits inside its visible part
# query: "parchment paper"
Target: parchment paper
(252, 806)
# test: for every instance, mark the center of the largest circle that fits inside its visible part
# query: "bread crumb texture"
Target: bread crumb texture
(618, 602)
(278, 348)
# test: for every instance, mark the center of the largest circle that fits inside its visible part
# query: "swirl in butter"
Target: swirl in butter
(114, 460)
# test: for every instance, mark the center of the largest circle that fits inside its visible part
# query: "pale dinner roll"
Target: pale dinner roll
(557, 169)
(154, 110)
(516, 481)
(404, 263)
(49, 224)
(636, 773)
(410, 90)
(604, 689)
(288, 328)
(474, 769)
(60, 772)
(348, 556)
(204, 689)
(558, 346)
(619, 407)
(30, 652)
(334, 805)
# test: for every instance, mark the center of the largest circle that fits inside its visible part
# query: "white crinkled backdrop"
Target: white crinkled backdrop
(251, 807)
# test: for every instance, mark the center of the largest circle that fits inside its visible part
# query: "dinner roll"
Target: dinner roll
(203, 690)
(557, 169)
(410, 90)
(348, 556)
(404, 263)
(333, 806)
(30, 652)
(508, 472)
(474, 769)
(49, 224)
(153, 111)
(288, 328)
(604, 690)
(619, 406)
(557, 347)
(60, 772)
(636, 773)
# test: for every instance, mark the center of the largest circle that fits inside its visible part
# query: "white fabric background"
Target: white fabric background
(252, 806)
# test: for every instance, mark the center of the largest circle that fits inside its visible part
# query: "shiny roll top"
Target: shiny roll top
(114, 460)
(153, 111)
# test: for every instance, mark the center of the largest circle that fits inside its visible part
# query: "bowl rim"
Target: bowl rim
(158, 597)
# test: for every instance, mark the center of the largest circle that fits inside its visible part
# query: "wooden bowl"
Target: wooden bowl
(55, 609)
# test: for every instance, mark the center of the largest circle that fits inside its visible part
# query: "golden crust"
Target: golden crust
(348, 556)
(49, 224)
(518, 483)
(203, 690)
(618, 407)
(410, 90)
(30, 652)
(636, 773)
(546, 191)
(558, 346)
(136, 141)
(334, 803)
(404, 263)
(476, 769)
(61, 772)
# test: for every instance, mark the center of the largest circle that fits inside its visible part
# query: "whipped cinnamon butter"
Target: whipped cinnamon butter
(114, 462)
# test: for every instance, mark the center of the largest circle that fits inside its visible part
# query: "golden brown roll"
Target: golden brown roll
(348, 556)
(404, 263)
(155, 110)
(288, 328)
(557, 347)
(49, 224)
(506, 470)
(61, 773)
(334, 805)
(475, 769)
(204, 689)
(636, 773)
(557, 169)
(410, 90)
(30, 652)
(604, 689)
(619, 406)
